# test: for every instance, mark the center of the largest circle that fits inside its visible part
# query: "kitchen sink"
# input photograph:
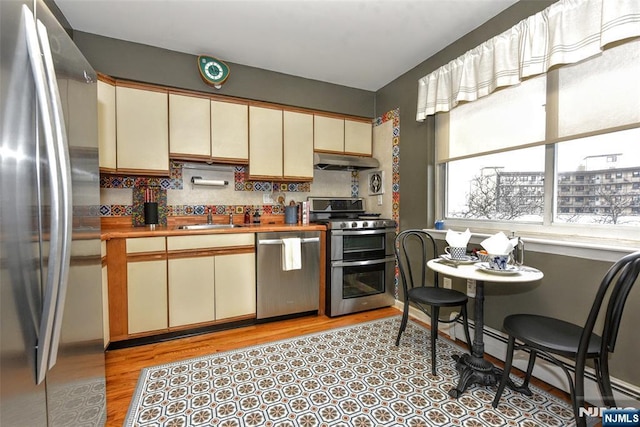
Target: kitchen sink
(207, 226)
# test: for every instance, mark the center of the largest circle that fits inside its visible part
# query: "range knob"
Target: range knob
(365, 224)
(343, 225)
(354, 224)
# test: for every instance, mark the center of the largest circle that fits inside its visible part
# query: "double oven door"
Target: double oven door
(362, 270)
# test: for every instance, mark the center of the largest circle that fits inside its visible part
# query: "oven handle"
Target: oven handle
(279, 241)
(362, 263)
(362, 232)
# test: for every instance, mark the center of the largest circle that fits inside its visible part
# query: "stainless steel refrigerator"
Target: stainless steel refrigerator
(51, 324)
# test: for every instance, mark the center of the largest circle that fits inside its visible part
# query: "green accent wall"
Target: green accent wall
(134, 61)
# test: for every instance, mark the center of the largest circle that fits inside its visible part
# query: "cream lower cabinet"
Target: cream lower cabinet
(211, 278)
(146, 284)
(235, 285)
(191, 290)
(105, 294)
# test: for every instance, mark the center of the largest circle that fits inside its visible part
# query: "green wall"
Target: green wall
(133, 61)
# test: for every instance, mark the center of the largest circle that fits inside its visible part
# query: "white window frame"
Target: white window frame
(599, 237)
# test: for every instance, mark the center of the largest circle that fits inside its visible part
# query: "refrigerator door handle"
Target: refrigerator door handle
(65, 200)
(55, 244)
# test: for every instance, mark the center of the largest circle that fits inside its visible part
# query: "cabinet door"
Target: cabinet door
(298, 145)
(105, 307)
(357, 137)
(142, 131)
(230, 132)
(235, 285)
(328, 134)
(265, 142)
(191, 290)
(189, 126)
(107, 126)
(147, 295)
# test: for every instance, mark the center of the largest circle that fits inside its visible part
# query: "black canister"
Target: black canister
(151, 213)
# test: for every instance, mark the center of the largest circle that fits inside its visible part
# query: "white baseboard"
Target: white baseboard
(495, 344)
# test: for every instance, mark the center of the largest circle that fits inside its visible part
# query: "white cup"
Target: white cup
(499, 261)
(456, 252)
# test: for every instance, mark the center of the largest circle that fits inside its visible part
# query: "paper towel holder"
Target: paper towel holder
(198, 180)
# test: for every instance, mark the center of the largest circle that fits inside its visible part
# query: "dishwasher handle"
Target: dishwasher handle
(279, 241)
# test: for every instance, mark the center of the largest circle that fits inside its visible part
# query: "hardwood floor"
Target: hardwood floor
(123, 366)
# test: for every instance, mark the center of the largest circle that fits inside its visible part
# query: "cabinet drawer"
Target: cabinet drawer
(175, 243)
(145, 244)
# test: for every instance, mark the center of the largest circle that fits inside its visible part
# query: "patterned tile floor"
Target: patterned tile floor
(354, 376)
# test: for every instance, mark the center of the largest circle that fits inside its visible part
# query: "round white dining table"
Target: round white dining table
(474, 368)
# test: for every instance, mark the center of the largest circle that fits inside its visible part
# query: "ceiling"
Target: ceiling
(363, 44)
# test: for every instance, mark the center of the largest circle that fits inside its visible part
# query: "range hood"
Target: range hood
(326, 161)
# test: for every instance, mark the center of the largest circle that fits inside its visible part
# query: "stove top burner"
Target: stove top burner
(357, 224)
(345, 213)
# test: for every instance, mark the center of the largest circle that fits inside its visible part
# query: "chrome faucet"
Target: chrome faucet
(209, 216)
(231, 218)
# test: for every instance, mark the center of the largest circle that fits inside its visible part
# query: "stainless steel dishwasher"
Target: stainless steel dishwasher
(280, 292)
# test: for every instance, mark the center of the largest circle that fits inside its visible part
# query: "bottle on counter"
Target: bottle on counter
(256, 217)
(247, 217)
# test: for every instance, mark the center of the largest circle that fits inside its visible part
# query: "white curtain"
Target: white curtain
(564, 33)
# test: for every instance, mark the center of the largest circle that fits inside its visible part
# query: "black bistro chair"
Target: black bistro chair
(553, 337)
(420, 285)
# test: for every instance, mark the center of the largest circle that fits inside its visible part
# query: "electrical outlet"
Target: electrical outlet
(380, 200)
(471, 288)
(446, 283)
(267, 199)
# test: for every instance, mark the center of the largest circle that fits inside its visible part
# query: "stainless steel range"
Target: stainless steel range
(360, 258)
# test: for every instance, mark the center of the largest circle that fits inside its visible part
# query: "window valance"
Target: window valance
(564, 33)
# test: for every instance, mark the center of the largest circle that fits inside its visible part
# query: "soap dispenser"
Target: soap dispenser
(247, 216)
(256, 217)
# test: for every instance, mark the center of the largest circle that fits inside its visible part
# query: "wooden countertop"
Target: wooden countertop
(116, 232)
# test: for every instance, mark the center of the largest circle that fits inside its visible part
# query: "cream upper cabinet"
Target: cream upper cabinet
(142, 130)
(229, 132)
(107, 126)
(357, 137)
(298, 145)
(328, 134)
(189, 126)
(265, 142)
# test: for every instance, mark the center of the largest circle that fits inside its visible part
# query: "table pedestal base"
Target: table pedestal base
(477, 370)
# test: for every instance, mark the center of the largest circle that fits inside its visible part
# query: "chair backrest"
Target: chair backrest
(618, 282)
(413, 248)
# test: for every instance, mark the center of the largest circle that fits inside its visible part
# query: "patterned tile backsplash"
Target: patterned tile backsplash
(175, 181)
